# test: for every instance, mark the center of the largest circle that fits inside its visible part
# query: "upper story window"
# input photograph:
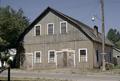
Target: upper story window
(51, 56)
(50, 28)
(83, 55)
(37, 57)
(63, 27)
(37, 30)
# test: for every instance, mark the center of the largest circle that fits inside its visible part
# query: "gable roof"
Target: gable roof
(89, 32)
(116, 49)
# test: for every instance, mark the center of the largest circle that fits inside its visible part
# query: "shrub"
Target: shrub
(109, 66)
(117, 67)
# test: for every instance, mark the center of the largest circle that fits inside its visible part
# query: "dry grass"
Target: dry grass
(75, 71)
(30, 79)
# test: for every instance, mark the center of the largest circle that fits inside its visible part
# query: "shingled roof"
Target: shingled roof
(88, 31)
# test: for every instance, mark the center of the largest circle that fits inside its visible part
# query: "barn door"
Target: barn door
(65, 59)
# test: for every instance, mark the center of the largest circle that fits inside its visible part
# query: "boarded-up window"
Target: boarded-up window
(63, 26)
(50, 29)
(83, 55)
(37, 57)
(51, 56)
(37, 30)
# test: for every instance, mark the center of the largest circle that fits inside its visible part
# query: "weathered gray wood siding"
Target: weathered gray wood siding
(108, 51)
(73, 39)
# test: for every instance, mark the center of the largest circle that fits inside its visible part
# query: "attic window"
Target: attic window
(50, 28)
(37, 30)
(63, 27)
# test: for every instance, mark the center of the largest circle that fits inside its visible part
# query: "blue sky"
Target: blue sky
(83, 10)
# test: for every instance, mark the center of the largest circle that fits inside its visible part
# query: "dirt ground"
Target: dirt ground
(65, 74)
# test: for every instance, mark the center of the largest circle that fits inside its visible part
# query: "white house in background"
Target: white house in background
(116, 55)
(12, 53)
(0, 64)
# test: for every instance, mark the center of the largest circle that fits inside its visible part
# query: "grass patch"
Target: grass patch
(30, 79)
(117, 67)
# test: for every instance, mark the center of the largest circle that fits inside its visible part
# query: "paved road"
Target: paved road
(74, 77)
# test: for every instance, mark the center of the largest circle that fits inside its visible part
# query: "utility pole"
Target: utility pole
(103, 35)
(0, 3)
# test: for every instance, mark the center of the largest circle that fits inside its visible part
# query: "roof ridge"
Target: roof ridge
(69, 16)
(117, 49)
(87, 30)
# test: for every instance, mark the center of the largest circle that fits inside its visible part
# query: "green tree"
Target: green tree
(12, 24)
(118, 44)
(114, 36)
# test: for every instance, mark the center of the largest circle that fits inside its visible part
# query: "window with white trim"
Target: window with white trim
(37, 57)
(83, 55)
(63, 27)
(37, 30)
(51, 56)
(50, 28)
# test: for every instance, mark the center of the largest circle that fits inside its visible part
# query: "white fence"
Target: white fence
(0, 64)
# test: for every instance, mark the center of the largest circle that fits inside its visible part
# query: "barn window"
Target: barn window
(63, 27)
(37, 30)
(83, 55)
(50, 28)
(51, 56)
(97, 56)
(37, 57)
